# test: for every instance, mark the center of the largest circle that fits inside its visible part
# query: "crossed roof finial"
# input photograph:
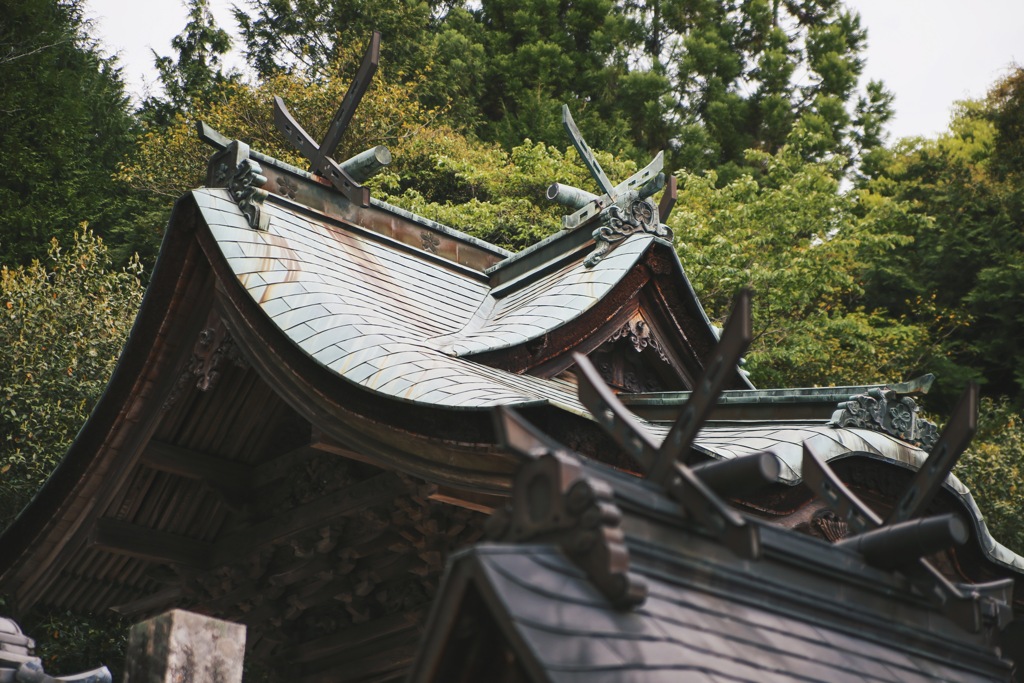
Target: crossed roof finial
(348, 175)
(624, 209)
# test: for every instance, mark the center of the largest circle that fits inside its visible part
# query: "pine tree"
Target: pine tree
(64, 126)
(198, 71)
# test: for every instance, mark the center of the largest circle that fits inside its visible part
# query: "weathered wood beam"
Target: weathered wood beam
(279, 467)
(324, 444)
(123, 538)
(471, 500)
(214, 470)
(354, 637)
(150, 603)
(379, 489)
(152, 545)
(394, 653)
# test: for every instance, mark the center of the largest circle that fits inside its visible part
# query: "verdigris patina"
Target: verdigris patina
(884, 410)
(622, 210)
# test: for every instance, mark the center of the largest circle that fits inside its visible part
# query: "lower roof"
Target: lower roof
(692, 627)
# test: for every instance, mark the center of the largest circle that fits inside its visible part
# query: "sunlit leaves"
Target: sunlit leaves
(802, 246)
(62, 325)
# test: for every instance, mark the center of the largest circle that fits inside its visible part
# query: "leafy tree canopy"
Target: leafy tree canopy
(802, 246)
(197, 73)
(438, 171)
(965, 272)
(64, 127)
(710, 79)
(62, 325)
(993, 469)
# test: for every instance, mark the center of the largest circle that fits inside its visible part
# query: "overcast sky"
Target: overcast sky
(930, 53)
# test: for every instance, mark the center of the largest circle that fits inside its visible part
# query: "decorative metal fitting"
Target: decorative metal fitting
(628, 217)
(883, 410)
(624, 209)
(245, 190)
(640, 335)
(232, 168)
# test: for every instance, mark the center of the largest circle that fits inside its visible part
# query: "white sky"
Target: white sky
(930, 53)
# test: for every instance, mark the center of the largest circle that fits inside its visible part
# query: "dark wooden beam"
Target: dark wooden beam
(282, 465)
(354, 637)
(471, 500)
(123, 538)
(148, 604)
(324, 444)
(377, 660)
(216, 471)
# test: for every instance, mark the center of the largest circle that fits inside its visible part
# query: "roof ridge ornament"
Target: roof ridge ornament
(885, 409)
(904, 539)
(624, 209)
(553, 500)
(232, 168)
(347, 176)
(696, 489)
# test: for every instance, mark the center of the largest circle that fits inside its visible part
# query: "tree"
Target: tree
(308, 37)
(802, 246)
(62, 326)
(710, 79)
(745, 74)
(993, 468)
(543, 53)
(707, 78)
(966, 268)
(64, 126)
(197, 73)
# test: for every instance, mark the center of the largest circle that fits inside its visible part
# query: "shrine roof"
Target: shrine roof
(398, 320)
(405, 322)
(736, 627)
(650, 593)
(308, 357)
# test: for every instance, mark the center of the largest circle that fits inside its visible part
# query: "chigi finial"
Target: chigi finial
(624, 209)
(347, 177)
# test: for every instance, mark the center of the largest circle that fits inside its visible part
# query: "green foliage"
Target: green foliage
(709, 79)
(170, 160)
(540, 54)
(801, 246)
(993, 469)
(482, 190)
(197, 74)
(968, 255)
(68, 642)
(64, 126)
(438, 172)
(62, 326)
(310, 36)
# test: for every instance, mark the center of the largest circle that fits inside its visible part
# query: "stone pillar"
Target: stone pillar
(184, 647)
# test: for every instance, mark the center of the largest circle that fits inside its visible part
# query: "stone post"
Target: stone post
(184, 647)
